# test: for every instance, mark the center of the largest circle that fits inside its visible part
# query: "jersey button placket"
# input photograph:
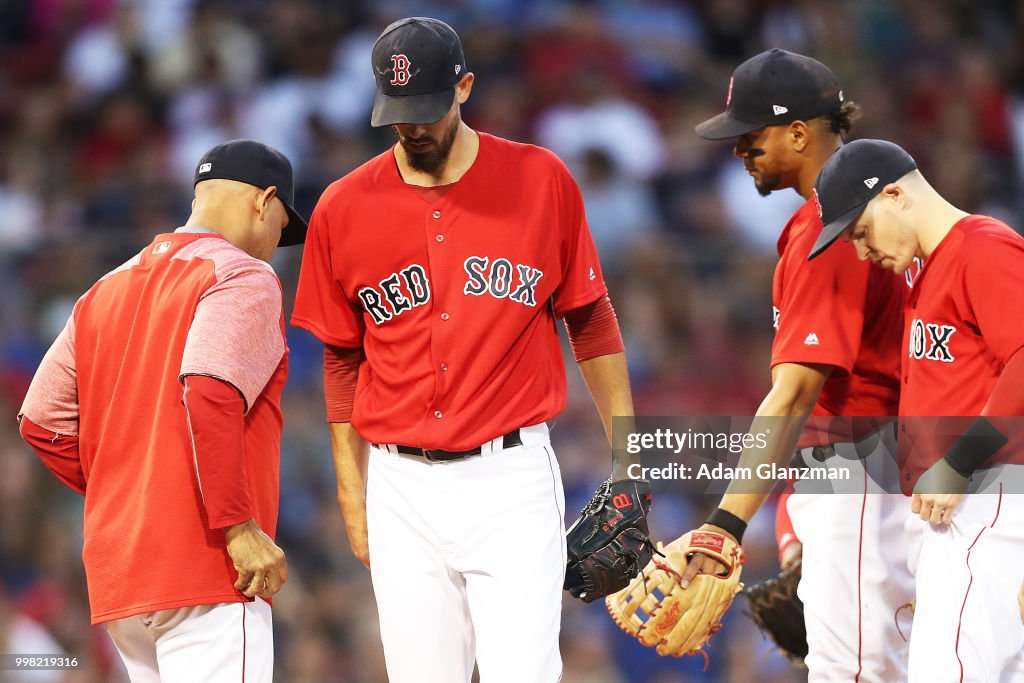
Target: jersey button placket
(439, 238)
(437, 216)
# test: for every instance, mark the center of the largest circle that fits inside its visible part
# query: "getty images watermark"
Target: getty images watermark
(707, 454)
(722, 441)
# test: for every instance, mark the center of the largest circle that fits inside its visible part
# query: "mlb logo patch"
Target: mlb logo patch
(205, 168)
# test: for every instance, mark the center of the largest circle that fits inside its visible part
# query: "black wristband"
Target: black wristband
(724, 519)
(979, 443)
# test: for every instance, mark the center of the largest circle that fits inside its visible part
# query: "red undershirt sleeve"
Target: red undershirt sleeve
(216, 423)
(594, 330)
(341, 374)
(59, 452)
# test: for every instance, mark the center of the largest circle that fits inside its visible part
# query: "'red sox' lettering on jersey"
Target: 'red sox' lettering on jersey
(409, 288)
(396, 294)
(496, 279)
(930, 341)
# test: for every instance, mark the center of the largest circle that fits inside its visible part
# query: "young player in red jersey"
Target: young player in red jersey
(434, 275)
(160, 402)
(963, 367)
(834, 356)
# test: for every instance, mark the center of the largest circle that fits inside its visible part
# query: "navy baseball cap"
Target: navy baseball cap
(254, 163)
(417, 63)
(773, 88)
(851, 178)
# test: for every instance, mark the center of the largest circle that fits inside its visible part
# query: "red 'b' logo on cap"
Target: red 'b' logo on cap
(817, 204)
(400, 67)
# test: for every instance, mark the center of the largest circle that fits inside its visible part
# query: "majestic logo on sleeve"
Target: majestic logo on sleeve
(775, 317)
(399, 292)
(400, 67)
(929, 341)
(496, 278)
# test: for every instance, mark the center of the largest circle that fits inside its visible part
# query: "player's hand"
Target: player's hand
(792, 555)
(262, 567)
(936, 508)
(353, 511)
(357, 539)
(938, 493)
(702, 564)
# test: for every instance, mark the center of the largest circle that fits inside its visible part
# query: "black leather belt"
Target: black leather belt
(510, 440)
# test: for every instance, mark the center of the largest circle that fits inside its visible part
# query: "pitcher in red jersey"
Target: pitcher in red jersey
(435, 274)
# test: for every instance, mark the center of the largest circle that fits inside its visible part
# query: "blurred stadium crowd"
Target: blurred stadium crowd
(106, 105)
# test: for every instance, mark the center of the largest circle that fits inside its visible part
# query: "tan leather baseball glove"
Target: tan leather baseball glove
(656, 609)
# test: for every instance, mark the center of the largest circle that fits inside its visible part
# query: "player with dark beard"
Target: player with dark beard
(435, 273)
(423, 152)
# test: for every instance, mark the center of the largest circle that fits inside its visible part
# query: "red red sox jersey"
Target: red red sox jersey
(453, 297)
(837, 310)
(964, 321)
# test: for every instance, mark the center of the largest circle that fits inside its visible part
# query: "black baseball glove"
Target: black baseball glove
(779, 613)
(609, 544)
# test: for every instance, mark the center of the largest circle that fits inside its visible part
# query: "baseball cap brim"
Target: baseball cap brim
(831, 232)
(295, 232)
(427, 108)
(725, 127)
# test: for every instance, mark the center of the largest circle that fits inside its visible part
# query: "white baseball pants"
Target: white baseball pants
(230, 642)
(467, 560)
(967, 624)
(855, 577)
